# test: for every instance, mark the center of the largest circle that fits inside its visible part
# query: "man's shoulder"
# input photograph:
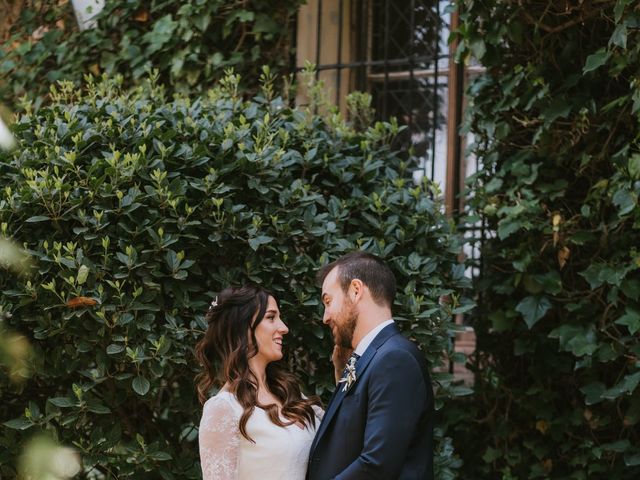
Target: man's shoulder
(400, 348)
(399, 342)
(403, 353)
(398, 362)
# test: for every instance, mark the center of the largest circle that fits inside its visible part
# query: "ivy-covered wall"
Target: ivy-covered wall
(556, 121)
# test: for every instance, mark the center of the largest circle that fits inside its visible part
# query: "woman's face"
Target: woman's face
(269, 333)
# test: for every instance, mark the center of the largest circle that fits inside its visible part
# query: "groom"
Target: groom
(379, 422)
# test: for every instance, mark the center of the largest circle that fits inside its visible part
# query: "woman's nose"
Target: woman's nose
(283, 328)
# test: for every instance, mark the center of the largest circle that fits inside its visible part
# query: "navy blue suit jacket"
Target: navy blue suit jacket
(382, 426)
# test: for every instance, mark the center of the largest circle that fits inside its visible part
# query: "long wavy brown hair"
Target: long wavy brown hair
(224, 354)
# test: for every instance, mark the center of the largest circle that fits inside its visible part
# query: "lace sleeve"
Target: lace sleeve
(219, 439)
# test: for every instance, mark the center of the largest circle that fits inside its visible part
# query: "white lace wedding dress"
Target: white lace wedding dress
(279, 452)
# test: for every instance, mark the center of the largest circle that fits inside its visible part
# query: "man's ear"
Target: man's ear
(356, 289)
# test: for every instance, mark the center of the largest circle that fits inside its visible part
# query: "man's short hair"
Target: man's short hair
(367, 268)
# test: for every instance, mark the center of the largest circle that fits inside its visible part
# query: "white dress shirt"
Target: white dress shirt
(369, 337)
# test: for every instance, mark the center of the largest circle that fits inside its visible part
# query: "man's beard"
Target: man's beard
(346, 325)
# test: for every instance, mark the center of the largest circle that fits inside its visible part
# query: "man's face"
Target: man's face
(340, 313)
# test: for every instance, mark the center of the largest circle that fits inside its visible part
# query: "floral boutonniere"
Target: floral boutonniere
(349, 374)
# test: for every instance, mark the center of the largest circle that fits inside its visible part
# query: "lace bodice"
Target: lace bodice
(278, 452)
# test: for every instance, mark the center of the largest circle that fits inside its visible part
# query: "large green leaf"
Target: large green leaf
(533, 308)
(507, 227)
(140, 385)
(626, 201)
(593, 392)
(630, 319)
(20, 423)
(596, 60)
(62, 402)
(625, 387)
(619, 36)
(254, 243)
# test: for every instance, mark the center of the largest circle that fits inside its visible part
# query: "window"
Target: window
(397, 51)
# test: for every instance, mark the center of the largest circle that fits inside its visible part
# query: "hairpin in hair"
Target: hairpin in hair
(214, 303)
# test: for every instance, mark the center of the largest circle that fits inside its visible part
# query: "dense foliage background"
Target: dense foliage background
(555, 119)
(138, 209)
(189, 42)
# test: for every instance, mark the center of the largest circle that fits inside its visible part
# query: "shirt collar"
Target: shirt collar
(369, 337)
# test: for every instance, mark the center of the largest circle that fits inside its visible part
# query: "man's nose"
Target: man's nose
(325, 317)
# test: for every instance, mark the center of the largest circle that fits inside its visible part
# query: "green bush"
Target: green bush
(190, 43)
(147, 209)
(555, 119)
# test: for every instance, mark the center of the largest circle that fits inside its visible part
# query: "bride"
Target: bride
(259, 414)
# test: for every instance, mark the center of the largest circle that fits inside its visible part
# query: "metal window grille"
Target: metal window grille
(397, 51)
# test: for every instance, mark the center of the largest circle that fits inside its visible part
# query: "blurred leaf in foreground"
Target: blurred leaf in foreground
(12, 257)
(45, 459)
(6, 139)
(15, 355)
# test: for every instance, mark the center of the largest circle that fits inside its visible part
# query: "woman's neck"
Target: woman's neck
(259, 369)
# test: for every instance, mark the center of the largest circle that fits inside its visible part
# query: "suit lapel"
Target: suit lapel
(361, 365)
